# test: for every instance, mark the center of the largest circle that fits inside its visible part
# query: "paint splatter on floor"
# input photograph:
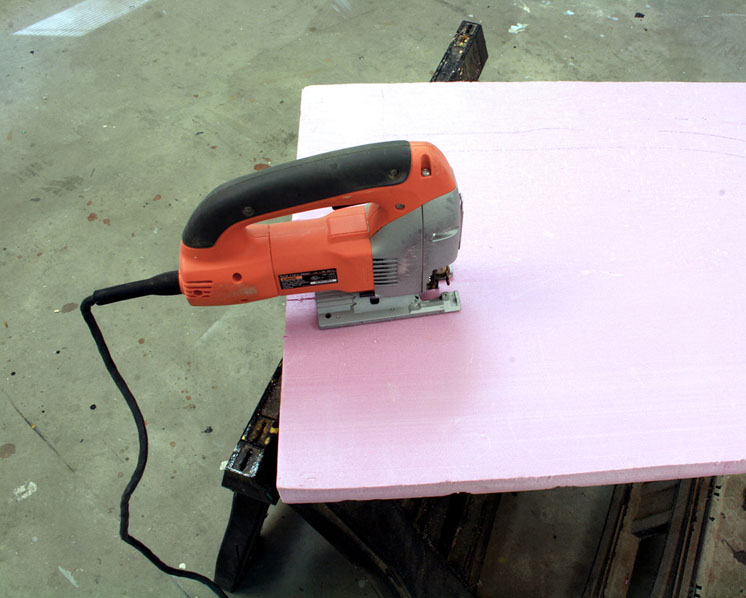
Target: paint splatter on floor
(68, 575)
(24, 491)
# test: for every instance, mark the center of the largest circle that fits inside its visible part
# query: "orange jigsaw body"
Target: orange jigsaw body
(253, 260)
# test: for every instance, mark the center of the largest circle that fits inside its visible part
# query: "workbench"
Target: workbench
(601, 338)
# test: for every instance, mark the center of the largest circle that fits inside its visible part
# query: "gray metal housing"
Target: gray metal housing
(407, 250)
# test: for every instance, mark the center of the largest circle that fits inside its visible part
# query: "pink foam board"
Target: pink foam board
(602, 273)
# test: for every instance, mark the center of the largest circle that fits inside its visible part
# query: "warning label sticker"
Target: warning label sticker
(308, 279)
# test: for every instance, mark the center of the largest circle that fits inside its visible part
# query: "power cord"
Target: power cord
(162, 284)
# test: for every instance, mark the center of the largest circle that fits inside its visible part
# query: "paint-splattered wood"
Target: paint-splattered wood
(603, 280)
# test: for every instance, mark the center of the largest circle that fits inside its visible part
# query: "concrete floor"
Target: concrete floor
(109, 142)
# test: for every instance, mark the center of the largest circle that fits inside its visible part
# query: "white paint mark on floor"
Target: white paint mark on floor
(216, 326)
(725, 14)
(223, 325)
(24, 491)
(342, 5)
(82, 18)
(68, 575)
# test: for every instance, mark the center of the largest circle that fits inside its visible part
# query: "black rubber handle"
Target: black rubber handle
(295, 184)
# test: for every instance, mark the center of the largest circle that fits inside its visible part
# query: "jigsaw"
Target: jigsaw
(381, 254)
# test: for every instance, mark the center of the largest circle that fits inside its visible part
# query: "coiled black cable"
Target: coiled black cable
(162, 284)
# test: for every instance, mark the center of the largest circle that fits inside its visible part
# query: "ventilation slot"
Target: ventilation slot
(385, 271)
(198, 288)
